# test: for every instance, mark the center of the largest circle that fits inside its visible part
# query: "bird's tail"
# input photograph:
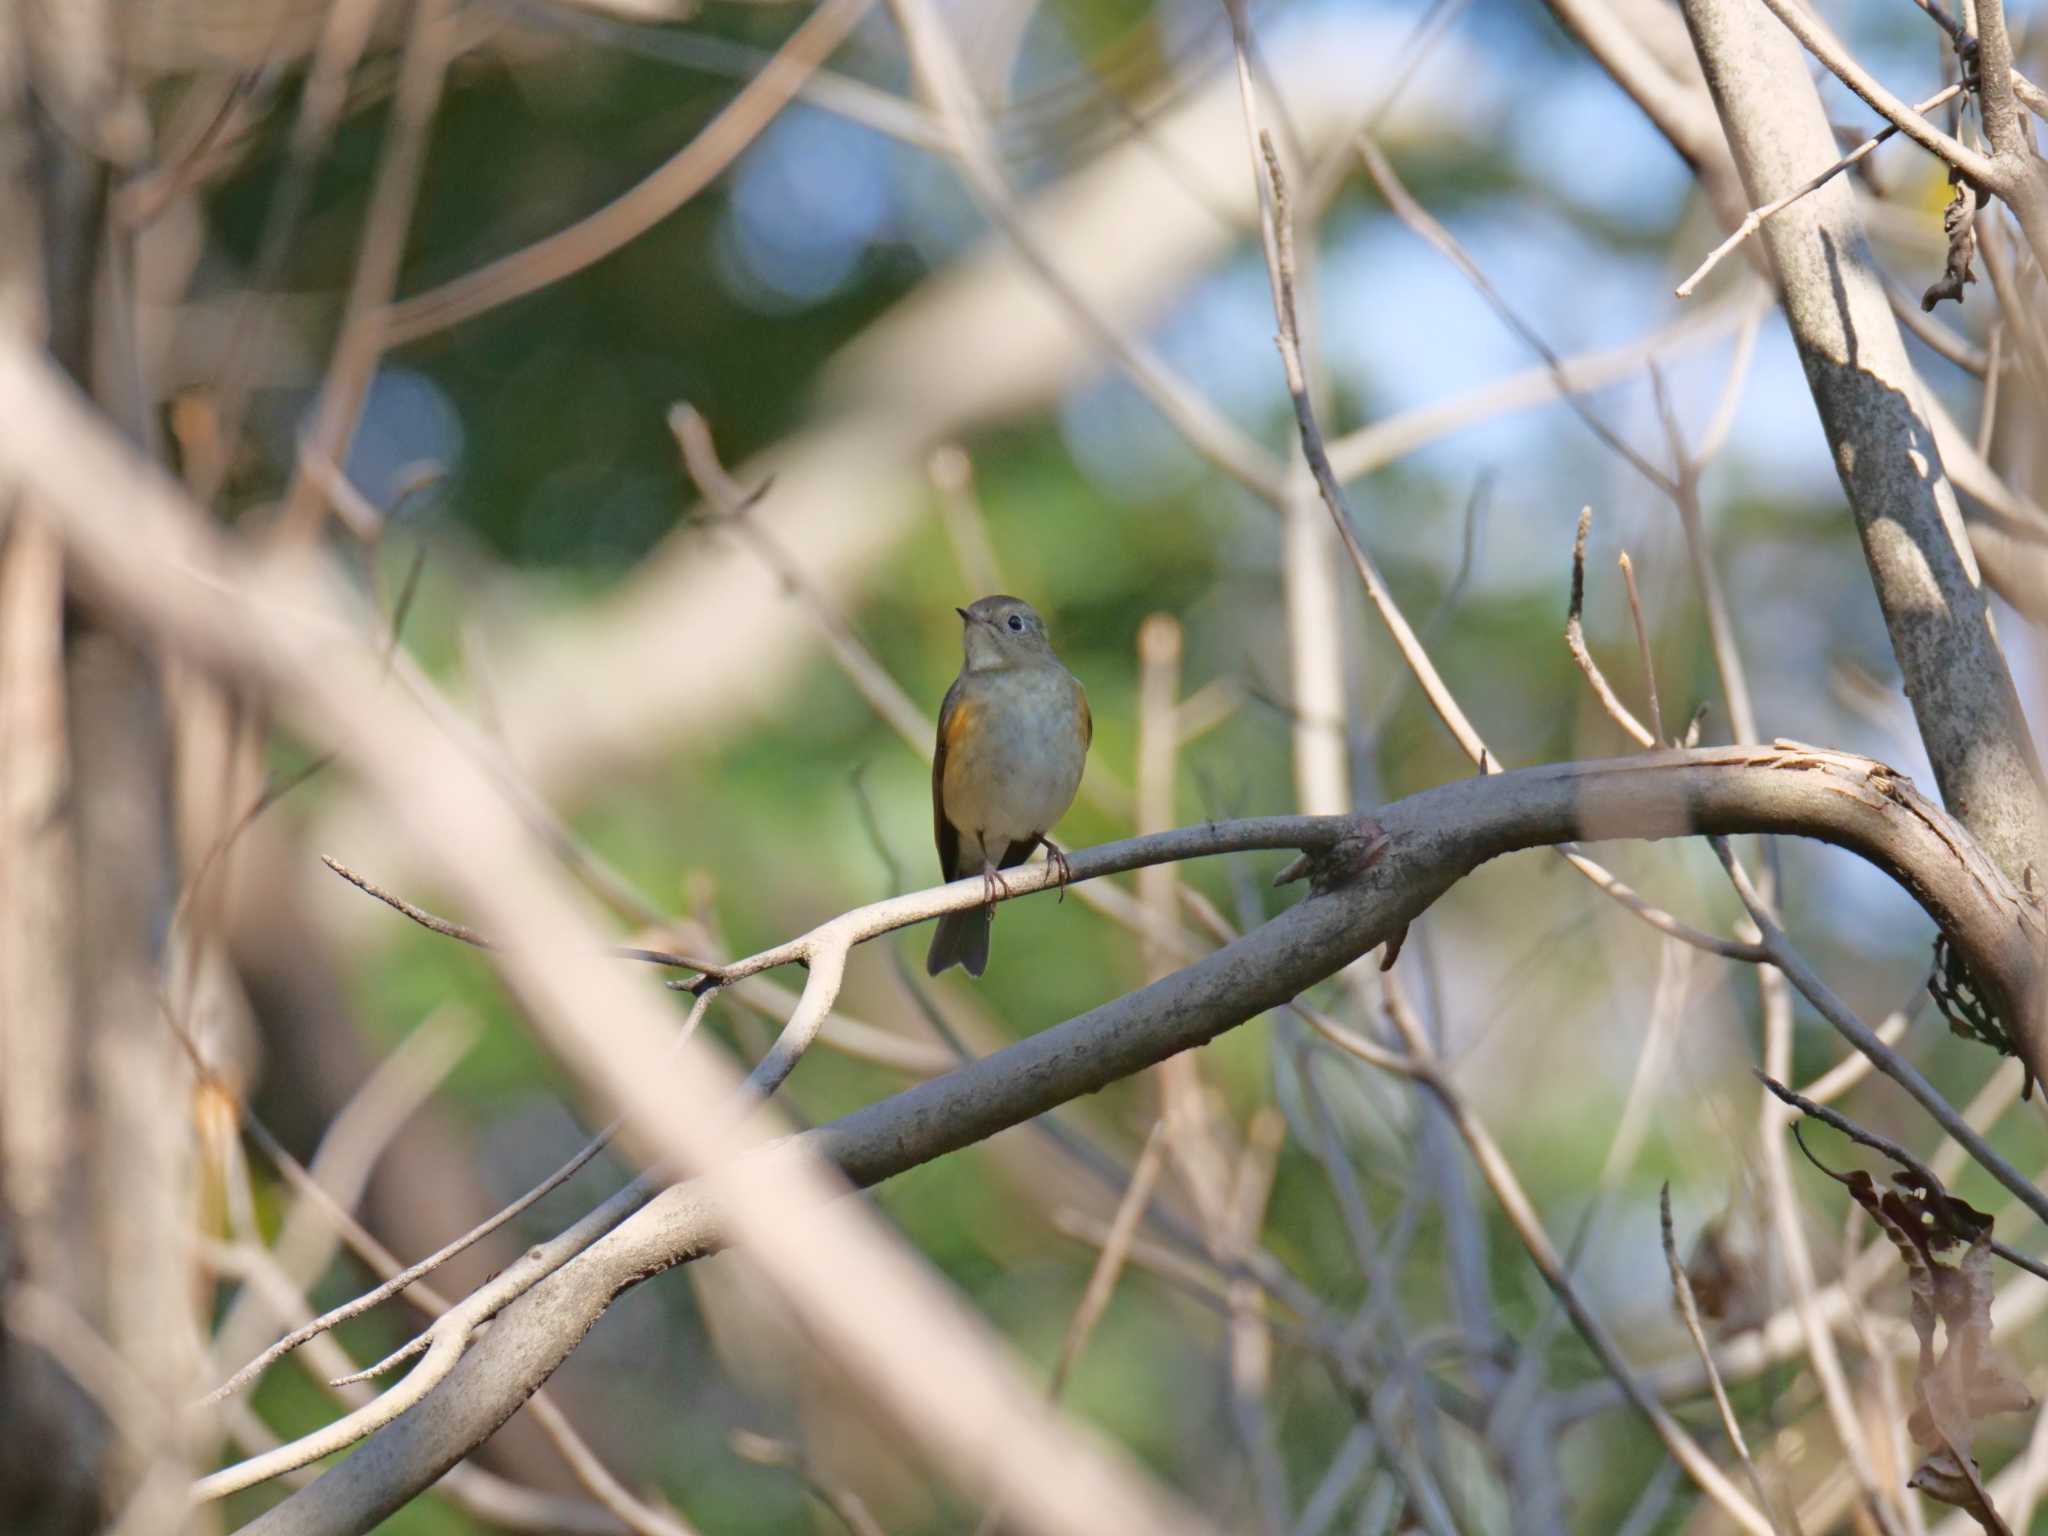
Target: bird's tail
(960, 939)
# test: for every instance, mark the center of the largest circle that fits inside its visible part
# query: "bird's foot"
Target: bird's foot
(1063, 872)
(993, 888)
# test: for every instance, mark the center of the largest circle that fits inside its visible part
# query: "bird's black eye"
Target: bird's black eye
(1017, 623)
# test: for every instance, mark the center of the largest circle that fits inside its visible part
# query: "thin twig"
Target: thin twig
(1102, 1279)
(1879, 1495)
(1123, 1228)
(1419, 219)
(1635, 615)
(1521, 1215)
(271, 794)
(1754, 220)
(1855, 1066)
(641, 1517)
(945, 81)
(1688, 1308)
(1864, 1038)
(734, 506)
(1441, 699)
(266, 1277)
(1685, 496)
(646, 203)
(466, 935)
(765, 1451)
(1821, 41)
(1987, 409)
(412, 1274)
(1250, 1343)
(199, 140)
(1575, 642)
(393, 193)
(1390, 439)
(1936, 1191)
(1382, 1315)
(1941, 338)
(699, 51)
(345, 34)
(1722, 422)
(446, 1340)
(1351, 1463)
(1289, 341)
(1325, 178)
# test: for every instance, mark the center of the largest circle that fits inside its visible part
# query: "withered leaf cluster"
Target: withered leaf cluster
(1959, 223)
(1945, 1245)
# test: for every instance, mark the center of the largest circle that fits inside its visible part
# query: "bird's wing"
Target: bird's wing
(953, 716)
(1087, 717)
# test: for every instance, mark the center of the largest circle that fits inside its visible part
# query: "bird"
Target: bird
(1014, 732)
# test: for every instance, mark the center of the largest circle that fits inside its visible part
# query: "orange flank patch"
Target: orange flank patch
(958, 721)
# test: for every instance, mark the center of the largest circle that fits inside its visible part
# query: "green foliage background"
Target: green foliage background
(567, 476)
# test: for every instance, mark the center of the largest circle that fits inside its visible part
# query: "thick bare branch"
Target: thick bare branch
(126, 530)
(284, 630)
(1433, 839)
(1869, 401)
(1821, 41)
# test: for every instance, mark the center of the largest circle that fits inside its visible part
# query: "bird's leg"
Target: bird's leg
(993, 886)
(1057, 858)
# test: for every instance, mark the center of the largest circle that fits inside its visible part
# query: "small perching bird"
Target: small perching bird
(1013, 736)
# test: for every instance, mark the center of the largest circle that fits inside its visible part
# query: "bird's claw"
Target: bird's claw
(993, 887)
(1063, 872)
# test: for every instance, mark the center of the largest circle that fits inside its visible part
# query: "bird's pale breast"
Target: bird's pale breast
(1013, 767)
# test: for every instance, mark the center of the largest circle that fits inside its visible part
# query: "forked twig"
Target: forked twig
(448, 1337)
(409, 1276)
(1280, 258)
(1754, 220)
(1575, 642)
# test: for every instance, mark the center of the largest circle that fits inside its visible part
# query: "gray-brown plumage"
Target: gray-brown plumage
(1013, 737)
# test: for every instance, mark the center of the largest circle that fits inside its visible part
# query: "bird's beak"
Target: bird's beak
(965, 616)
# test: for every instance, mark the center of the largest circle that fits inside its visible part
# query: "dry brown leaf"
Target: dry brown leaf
(1965, 1381)
(1944, 1479)
(1723, 1278)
